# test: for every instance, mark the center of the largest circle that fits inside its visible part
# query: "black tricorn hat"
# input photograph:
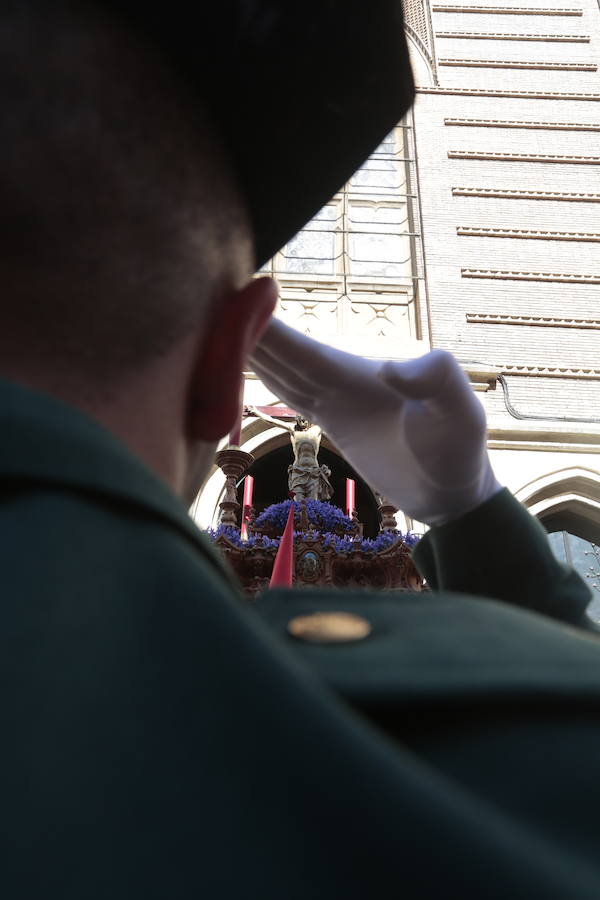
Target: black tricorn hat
(302, 93)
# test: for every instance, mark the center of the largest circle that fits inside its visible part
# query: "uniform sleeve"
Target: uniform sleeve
(500, 550)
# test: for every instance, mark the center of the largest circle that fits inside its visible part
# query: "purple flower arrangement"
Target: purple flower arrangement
(329, 524)
(258, 541)
(324, 517)
(383, 540)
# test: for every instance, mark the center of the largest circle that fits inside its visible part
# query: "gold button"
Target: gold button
(329, 627)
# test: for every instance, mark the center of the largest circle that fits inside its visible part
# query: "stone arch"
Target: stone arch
(417, 23)
(566, 500)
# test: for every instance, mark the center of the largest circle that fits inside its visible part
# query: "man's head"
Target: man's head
(124, 237)
(126, 244)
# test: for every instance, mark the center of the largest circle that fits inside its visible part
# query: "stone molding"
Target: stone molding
(547, 440)
(509, 10)
(507, 36)
(420, 43)
(482, 377)
(524, 157)
(517, 64)
(505, 275)
(550, 488)
(520, 123)
(514, 194)
(522, 95)
(543, 321)
(551, 372)
(417, 23)
(528, 234)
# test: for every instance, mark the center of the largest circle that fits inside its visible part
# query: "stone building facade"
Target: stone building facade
(475, 227)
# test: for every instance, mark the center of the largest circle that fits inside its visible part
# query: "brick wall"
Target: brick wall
(484, 318)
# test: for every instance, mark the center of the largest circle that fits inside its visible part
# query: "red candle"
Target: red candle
(247, 503)
(350, 487)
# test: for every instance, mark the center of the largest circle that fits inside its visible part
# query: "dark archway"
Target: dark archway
(572, 520)
(271, 484)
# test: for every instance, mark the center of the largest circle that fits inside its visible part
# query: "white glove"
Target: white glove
(414, 430)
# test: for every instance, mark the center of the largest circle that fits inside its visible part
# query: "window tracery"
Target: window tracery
(353, 270)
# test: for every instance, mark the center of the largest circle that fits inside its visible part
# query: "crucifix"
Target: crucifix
(306, 478)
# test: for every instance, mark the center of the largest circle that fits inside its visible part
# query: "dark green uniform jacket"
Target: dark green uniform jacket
(160, 739)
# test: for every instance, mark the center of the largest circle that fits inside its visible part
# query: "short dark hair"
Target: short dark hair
(119, 205)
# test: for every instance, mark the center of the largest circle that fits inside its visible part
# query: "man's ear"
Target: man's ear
(215, 394)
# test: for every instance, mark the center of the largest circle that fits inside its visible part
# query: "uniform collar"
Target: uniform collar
(46, 442)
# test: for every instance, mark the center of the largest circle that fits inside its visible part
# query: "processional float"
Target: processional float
(329, 549)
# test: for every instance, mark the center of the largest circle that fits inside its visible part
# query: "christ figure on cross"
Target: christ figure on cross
(306, 478)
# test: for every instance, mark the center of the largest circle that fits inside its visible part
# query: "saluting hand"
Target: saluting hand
(414, 430)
